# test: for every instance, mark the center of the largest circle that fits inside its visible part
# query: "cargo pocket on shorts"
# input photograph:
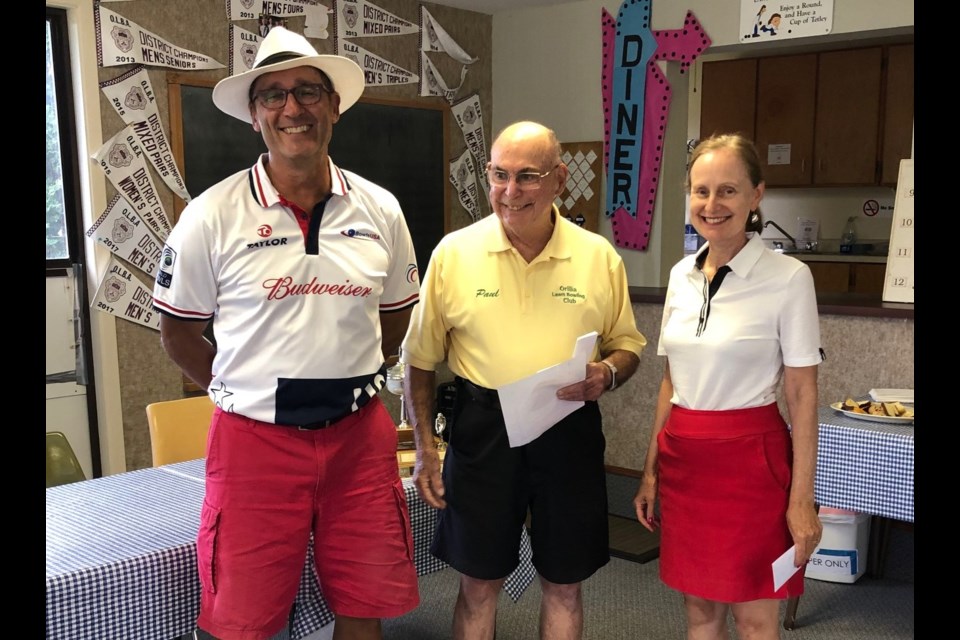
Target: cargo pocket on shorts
(207, 547)
(404, 516)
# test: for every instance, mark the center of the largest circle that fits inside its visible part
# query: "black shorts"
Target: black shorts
(559, 478)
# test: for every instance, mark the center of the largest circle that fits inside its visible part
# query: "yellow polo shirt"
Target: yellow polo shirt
(496, 319)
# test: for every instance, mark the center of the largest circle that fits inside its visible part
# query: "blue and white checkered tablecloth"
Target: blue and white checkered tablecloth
(121, 557)
(865, 466)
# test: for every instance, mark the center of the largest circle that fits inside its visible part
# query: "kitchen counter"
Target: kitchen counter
(838, 257)
(841, 304)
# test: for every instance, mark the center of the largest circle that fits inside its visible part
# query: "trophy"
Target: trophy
(439, 426)
(395, 386)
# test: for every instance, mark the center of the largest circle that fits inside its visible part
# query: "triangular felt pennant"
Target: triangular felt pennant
(433, 37)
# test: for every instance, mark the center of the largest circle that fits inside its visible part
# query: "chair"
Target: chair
(178, 429)
(62, 464)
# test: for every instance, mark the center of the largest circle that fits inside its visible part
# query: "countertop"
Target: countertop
(838, 257)
(841, 304)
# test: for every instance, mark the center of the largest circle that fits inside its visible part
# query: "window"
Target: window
(62, 179)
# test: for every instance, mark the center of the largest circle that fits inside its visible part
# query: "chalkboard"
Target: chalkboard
(402, 146)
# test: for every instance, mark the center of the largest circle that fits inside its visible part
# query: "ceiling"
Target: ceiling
(494, 6)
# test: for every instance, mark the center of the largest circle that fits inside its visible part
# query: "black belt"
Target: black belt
(322, 424)
(479, 394)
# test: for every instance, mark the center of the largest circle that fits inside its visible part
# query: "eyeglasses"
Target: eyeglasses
(306, 94)
(526, 180)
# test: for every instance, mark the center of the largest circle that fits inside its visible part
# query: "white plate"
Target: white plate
(891, 395)
(869, 417)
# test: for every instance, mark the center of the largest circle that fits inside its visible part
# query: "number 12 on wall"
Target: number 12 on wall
(898, 284)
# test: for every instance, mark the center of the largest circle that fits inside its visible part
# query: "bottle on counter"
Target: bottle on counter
(690, 240)
(849, 236)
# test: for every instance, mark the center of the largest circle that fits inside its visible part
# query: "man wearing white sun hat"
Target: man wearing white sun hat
(308, 274)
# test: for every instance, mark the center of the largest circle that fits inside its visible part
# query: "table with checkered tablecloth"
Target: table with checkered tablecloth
(865, 466)
(121, 557)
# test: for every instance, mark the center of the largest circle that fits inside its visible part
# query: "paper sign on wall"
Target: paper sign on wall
(463, 176)
(433, 84)
(377, 71)
(120, 293)
(766, 21)
(122, 41)
(470, 120)
(898, 283)
(134, 100)
(359, 18)
(121, 159)
(122, 231)
(437, 39)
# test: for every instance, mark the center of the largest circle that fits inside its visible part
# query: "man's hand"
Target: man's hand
(427, 478)
(591, 387)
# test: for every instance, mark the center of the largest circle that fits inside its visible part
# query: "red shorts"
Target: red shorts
(268, 487)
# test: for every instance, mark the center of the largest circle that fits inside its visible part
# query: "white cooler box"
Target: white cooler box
(842, 554)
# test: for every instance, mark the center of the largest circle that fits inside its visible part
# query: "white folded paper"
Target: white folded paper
(530, 405)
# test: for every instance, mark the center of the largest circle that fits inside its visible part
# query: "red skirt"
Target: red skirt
(724, 484)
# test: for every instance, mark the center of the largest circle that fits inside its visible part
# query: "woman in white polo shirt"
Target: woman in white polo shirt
(734, 484)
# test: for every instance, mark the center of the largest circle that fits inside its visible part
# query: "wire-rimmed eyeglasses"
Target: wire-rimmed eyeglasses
(526, 180)
(305, 94)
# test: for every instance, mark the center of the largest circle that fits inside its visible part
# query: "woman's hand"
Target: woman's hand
(806, 530)
(644, 502)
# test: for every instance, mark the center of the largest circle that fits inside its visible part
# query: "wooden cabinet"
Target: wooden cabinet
(848, 277)
(786, 95)
(833, 118)
(847, 117)
(728, 96)
(830, 277)
(867, 277)
(897, 142)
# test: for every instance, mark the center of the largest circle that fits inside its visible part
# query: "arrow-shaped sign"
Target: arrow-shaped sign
(636, 107)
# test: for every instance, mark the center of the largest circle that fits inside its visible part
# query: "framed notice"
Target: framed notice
(898, 283)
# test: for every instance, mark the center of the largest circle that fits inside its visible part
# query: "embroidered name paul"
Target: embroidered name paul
(282, 287)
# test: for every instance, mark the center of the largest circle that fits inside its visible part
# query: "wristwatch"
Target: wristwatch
(613, 375)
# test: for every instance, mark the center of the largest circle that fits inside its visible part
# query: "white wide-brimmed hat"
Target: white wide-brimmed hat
(283, 49)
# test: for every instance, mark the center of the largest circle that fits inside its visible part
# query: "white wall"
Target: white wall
(547, 67)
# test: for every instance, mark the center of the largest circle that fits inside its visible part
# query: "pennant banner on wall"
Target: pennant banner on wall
(318, 20)
(121, 230)
(463, 176)
(315, 12)
(376, 70)
(243, 50)
(470, 120)
(432, 83)
(121, 159)
(359, 18)
(120, 293)
(120, 41)
(437, 39)
(134, 100)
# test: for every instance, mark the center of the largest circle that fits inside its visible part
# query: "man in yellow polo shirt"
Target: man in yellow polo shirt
(502, 299)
